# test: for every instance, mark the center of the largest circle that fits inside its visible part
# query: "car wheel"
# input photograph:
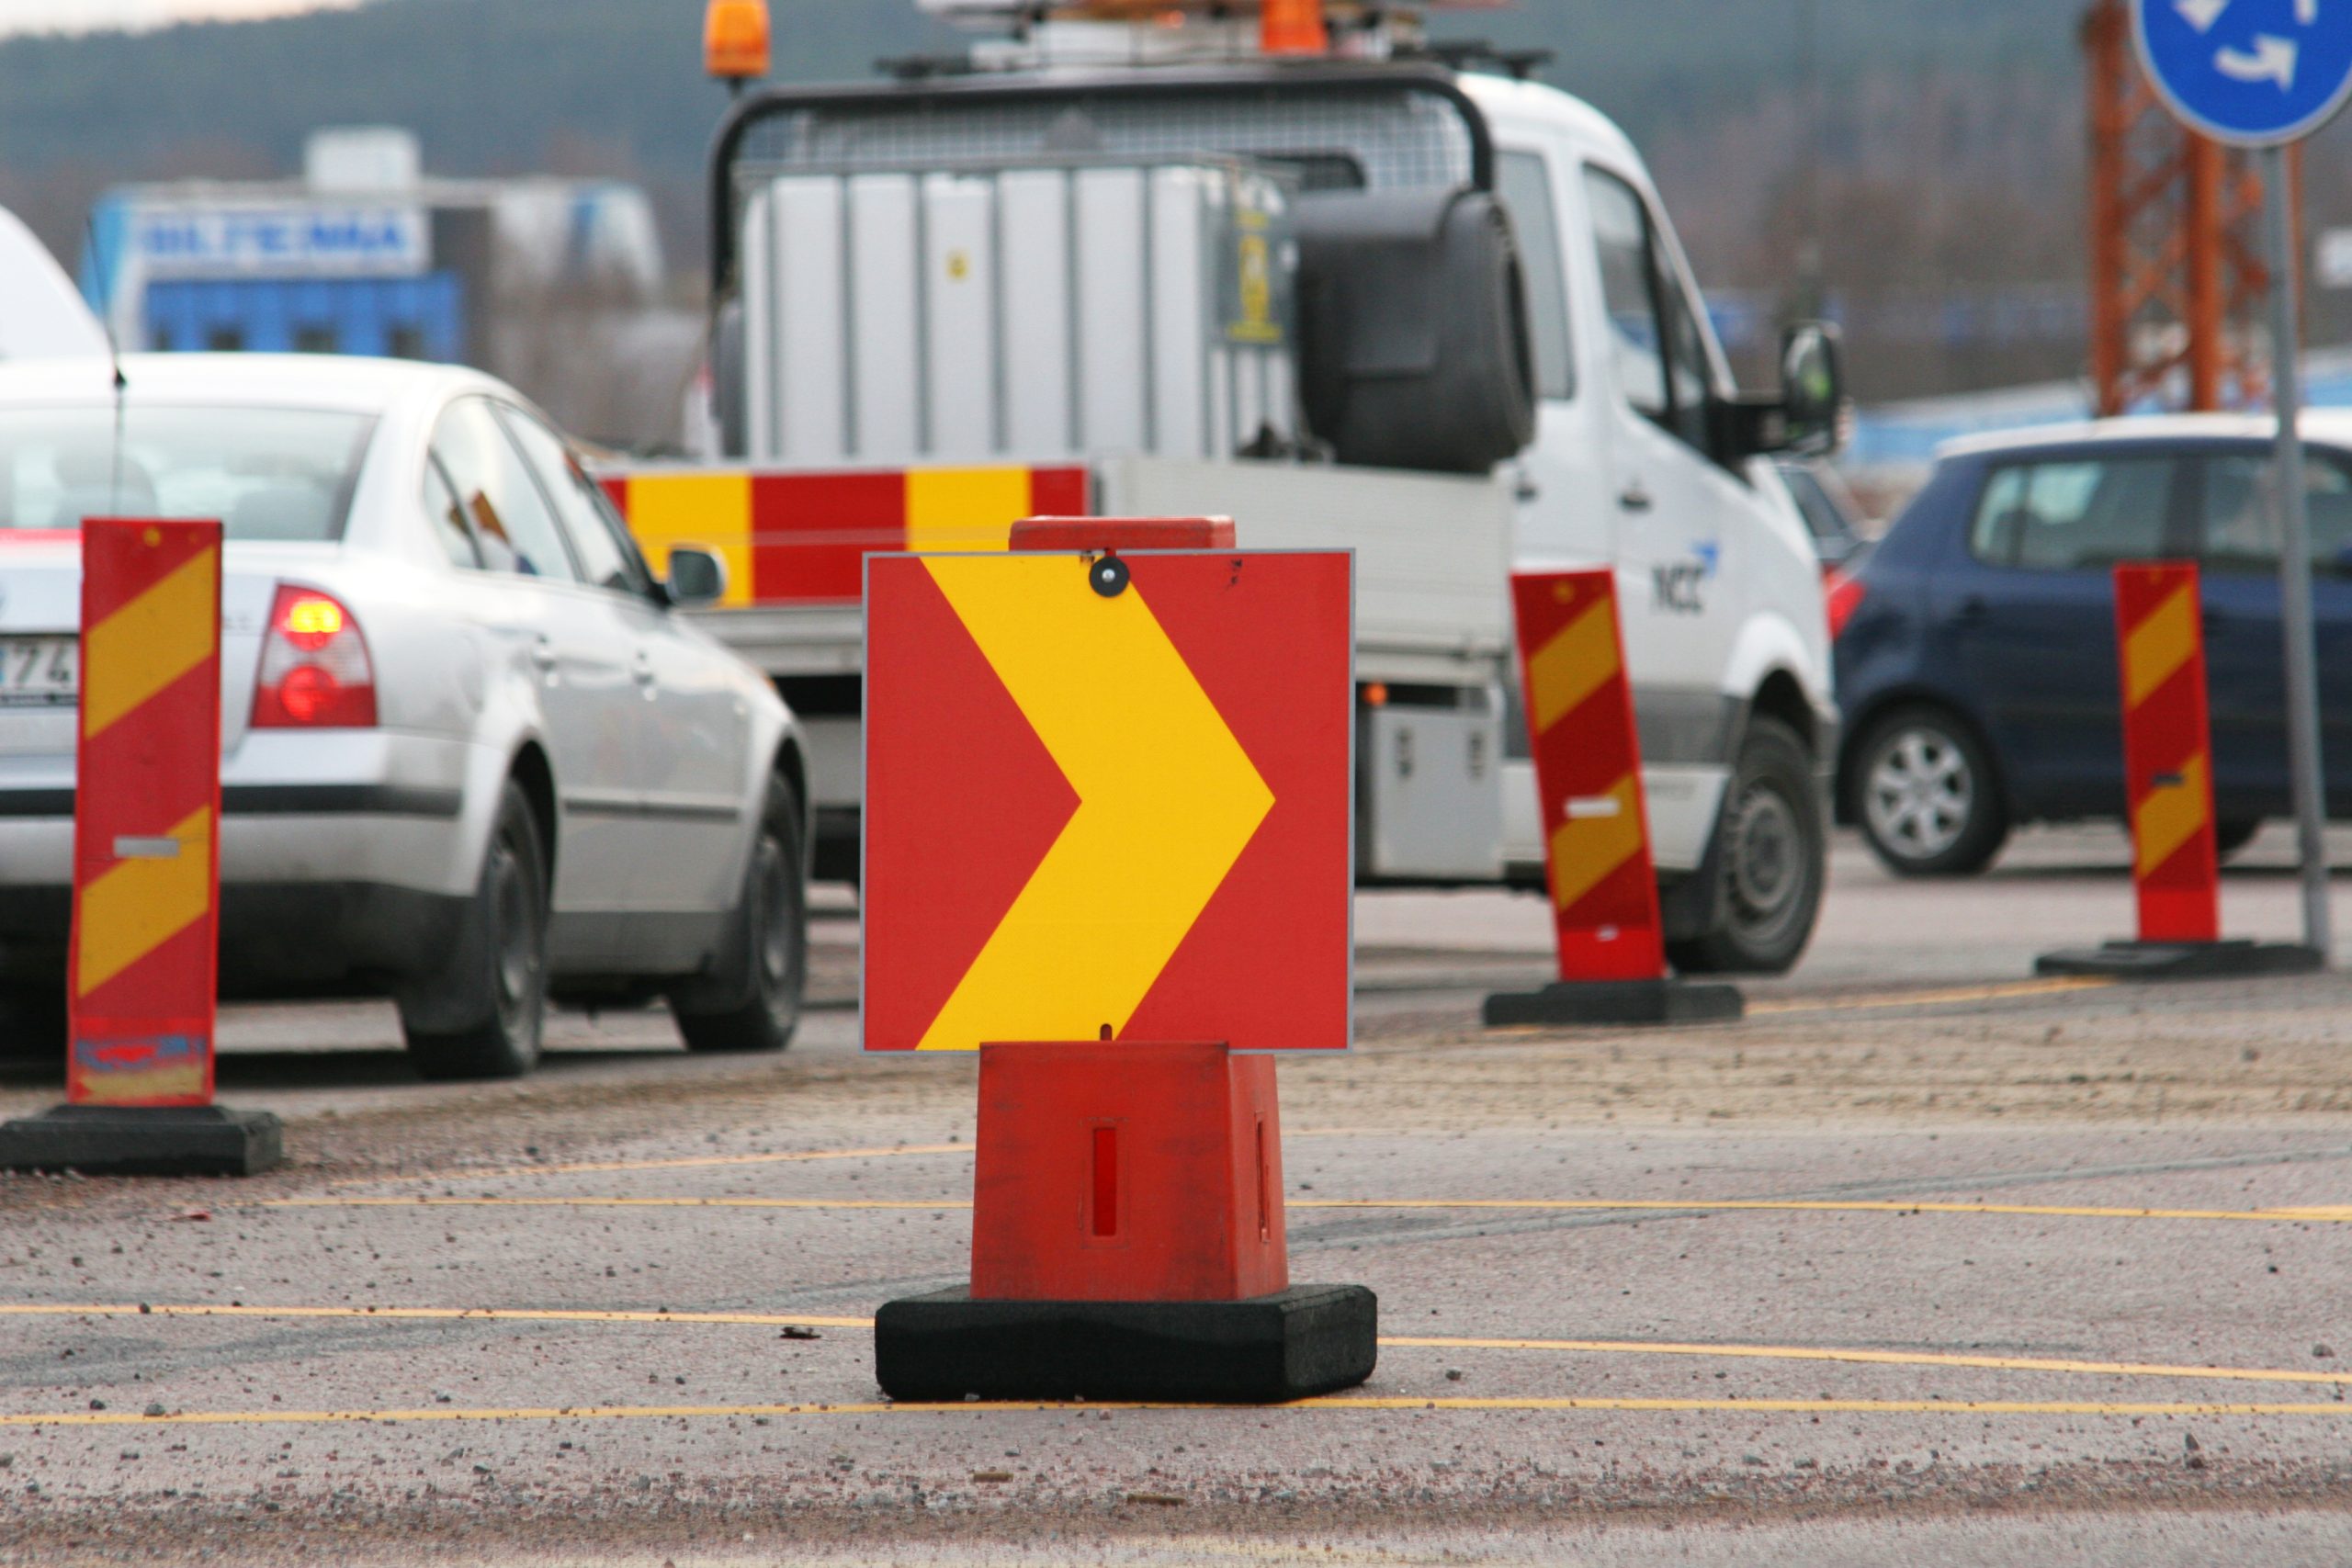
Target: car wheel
(1771, 857)
(481, 1016)
(1925, 793)
(755, 1004)
(2230, 837)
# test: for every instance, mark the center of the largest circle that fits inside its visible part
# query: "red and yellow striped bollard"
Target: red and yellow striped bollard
(141, 968)
(2168, 753)
(1587, 754)
(2168, 797)
(140, 975)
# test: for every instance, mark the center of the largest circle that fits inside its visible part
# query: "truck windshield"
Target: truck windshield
(265, 473)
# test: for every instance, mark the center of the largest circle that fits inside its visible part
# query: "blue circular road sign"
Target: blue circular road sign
(2249, 73)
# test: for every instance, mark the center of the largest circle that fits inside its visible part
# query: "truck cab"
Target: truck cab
(1355, 291)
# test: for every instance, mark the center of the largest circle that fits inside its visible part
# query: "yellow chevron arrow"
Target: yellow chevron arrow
(1168, 800)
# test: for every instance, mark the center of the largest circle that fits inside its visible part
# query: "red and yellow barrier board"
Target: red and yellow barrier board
(798, 538)
(1588, 773)
(143, 968)
(2168, 753)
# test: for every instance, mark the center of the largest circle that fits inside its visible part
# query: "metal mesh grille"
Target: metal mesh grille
(1378, 138)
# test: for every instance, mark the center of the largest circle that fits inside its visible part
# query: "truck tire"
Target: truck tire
(1925, 796)
(1413, 345)
(481, 1016)
(1770, 859)
(753, 1002)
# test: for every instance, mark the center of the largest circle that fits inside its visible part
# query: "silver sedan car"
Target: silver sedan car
(470, 754)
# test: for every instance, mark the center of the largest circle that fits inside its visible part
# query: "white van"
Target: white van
(1378, 300)
(41, 315)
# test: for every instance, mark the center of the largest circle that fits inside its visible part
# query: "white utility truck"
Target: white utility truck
(1119, 260)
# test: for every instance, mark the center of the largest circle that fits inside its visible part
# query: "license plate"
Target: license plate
(39, 672)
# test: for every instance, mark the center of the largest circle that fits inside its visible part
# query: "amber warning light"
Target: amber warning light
(735, 39)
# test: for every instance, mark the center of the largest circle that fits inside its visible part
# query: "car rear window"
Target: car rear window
(265, 473)
(2074, 514)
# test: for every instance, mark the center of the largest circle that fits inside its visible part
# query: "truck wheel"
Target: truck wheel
(1925, 792)
(481, 1016)
(756, 1004)
(1771, 853)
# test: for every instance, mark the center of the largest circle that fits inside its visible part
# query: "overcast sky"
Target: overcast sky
(81, 15)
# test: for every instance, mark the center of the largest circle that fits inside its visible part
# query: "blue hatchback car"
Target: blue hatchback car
(1975, 647)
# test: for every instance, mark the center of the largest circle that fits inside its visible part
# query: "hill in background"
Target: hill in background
(1939, 155)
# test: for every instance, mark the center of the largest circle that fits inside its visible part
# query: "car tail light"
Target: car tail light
(1843, 596)
(315, 673)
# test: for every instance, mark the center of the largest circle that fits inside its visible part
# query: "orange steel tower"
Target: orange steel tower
(2177, 280)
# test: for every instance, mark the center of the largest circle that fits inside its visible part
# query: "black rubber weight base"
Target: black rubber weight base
(1308, 1339)
(1617, 1001)
(115, 1140)
(2182, 960)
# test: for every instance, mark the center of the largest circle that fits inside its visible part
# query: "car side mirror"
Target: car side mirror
(1812, 389)
(1805, 417)
(697, 576)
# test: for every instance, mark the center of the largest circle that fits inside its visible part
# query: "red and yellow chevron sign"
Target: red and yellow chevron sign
(142, 972)
(796, 537)
(1115, 810)
(1588, 772)
(2168, 753)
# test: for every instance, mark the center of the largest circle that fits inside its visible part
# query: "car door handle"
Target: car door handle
(543, 655)
(1634, 497)
(643, 670)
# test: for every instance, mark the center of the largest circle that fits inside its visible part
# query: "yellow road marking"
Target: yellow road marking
(1168, 800)
(1369, 1404)
(2318, 1215)
(1402, 1341)
(2003, 992)
(696, 1162)
(1872, 1357)
(693, 1162)
(513, 1314)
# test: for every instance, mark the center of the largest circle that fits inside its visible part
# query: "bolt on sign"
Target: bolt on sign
(1108, 796)
(2168, 753)
(1588, 770)
(147, 811)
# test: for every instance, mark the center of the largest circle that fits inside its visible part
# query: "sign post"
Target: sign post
(2266, 73)
(140, 973)
(1109, 845)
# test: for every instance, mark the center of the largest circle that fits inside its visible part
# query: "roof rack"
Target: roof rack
(1469, 54)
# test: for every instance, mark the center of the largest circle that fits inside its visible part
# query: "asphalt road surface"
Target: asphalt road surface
(1926, 1261)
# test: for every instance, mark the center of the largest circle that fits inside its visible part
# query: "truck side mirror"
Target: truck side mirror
(1812, 382)
(697, 576)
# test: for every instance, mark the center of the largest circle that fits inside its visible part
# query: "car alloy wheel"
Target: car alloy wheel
(1920, 793)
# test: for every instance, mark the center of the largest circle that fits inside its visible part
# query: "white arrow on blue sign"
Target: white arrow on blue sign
(2248, 72)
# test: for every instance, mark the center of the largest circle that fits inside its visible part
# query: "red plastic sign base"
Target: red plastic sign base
(1122, 1172)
